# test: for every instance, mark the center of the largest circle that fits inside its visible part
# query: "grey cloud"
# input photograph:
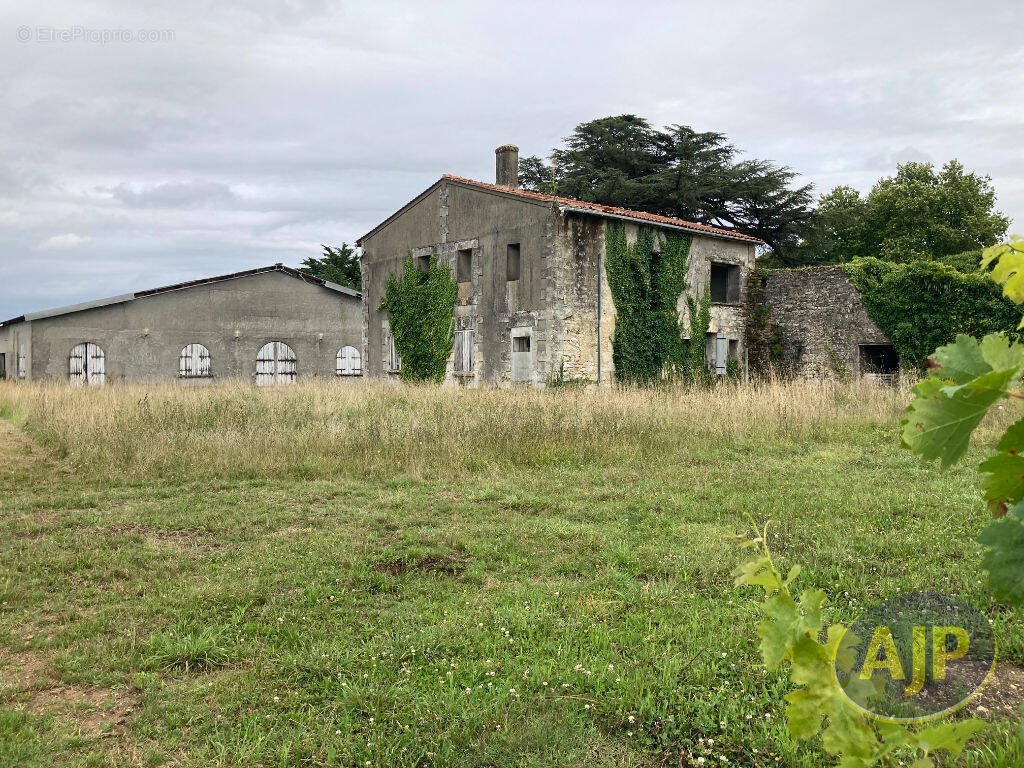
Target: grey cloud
(264, 130)
(184, 194)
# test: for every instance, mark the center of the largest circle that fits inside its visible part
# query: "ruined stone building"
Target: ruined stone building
(825, 330)
(268, 325)
(533, 296)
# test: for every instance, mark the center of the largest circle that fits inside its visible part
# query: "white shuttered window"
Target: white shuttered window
(463, 362)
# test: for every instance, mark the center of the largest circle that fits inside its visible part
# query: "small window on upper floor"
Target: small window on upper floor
(464, 265)
(725, 283)
(423, 262)
(512, 262)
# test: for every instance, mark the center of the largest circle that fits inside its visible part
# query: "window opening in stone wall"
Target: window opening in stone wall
(87, 365)
(464, 266)
(725, 283)
(512, 262)
(276, 364)
(348, 362)
(194, 362)
(522, 357)
(463, 352)
(394, 360)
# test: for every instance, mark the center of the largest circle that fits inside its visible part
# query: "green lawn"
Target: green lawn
(569, 610)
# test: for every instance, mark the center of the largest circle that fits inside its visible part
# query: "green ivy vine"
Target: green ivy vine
(645, 283)
(420, 306)
(921, 305)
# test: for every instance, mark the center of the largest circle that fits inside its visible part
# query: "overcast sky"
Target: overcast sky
(241, 138)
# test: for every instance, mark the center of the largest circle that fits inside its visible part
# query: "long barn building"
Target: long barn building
(267, 325)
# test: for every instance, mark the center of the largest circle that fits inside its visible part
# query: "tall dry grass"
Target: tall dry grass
(233, 430)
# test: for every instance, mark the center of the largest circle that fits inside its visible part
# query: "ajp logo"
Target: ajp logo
(915, 657)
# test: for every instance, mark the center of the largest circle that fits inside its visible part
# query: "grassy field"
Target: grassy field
(370, 576)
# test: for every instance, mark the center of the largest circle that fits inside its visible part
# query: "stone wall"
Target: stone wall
(822, 320)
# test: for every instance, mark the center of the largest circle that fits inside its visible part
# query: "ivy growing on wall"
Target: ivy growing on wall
(921, 305)
(645, 283)
(420, 306)
(764, 336)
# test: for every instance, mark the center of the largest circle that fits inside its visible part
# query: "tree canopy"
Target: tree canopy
(337, 265)
(920, 213)
(675, 171)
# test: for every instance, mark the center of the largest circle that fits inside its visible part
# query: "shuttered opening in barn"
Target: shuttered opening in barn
(87, 365)
(276, 364)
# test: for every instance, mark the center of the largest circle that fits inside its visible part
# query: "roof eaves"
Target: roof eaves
(682, 226)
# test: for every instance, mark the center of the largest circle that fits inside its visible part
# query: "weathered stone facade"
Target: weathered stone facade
(826, 332)
(557, 318)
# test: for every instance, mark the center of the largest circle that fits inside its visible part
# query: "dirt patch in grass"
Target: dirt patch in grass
(161, 537)
(450, 565)
(96, 711)
(24, 670)
(31, 683)
(1003, 695)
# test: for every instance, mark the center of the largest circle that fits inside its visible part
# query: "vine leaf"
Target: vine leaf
(950, 737)
(1003, 559)
(1003, 472)
(1009, 268)
(961, 361)
(941, 418)
(758, 573)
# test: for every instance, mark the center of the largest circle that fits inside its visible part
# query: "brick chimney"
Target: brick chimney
(506, 166)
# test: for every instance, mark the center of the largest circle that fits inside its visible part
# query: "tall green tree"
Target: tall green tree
(337, 265)
(920, 213)
(677, 171)
(837, 232)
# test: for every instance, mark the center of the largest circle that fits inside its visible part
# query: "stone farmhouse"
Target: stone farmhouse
(269, 325)
(533, 296)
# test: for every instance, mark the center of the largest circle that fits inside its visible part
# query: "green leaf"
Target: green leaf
(758, 572)
(1003, 473)
(793, 573)
(805, 710)
(811, 602)
(1001, 353)
(850, 735)
(1003, 477)
(941, 418)
(778, 632)
(1009, 272)
(1004, 558)
(950, 737)
(961, 361)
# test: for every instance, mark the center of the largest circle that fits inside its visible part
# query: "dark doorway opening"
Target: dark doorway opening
(879, 359)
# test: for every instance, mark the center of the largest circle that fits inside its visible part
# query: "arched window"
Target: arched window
(194, 362)
(275, 364)
(86, 365)
(349, 363)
